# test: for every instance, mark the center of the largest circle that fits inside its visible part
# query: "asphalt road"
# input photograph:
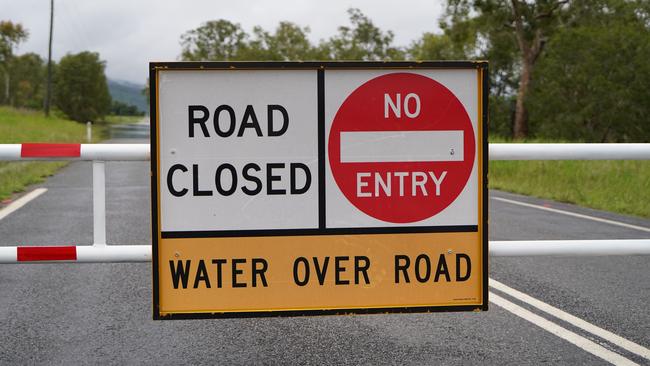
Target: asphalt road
(62, 314)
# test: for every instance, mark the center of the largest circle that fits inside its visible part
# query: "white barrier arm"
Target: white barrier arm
(569, 151)
(142, 253)
(122, 152)
(131, 152)
(76, 254)
(528, 248)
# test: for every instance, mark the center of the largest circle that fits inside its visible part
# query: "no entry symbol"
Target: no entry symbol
(401, 147)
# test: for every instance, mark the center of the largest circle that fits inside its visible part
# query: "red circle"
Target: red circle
(363, 110)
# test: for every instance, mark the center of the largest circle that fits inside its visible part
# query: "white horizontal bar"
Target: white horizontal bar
(10, 152)
(518, 248)
(113, 253)
(8, 255)
(136, 152)
(401, 146)
(121, 152)
(582, 248)
(569, 151)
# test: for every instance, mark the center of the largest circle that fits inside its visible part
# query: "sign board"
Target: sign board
(284, 189)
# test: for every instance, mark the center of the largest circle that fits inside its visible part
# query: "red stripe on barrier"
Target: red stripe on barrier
(50, 151)
(26, 254)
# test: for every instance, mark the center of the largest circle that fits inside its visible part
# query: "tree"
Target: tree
(592, 84)
(215, 40)
(363, 41)
(81, 91)
(288, 43)
(222, 40)
(526, 24)
(433, 46)
(11, 34)
(124, 109)
(27, 82)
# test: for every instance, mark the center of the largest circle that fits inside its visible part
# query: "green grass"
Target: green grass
(617, 186)
(15, 176)
(20, 126)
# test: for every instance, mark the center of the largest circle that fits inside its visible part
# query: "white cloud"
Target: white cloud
(130, 33)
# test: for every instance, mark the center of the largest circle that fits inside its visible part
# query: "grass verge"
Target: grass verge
(20, 126)
(617, 186)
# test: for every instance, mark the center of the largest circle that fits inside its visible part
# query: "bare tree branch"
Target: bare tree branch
(538, 45)
(519, 28)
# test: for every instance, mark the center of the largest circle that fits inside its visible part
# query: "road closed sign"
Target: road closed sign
(283, 189)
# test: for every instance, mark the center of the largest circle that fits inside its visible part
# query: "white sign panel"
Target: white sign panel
(239, 150)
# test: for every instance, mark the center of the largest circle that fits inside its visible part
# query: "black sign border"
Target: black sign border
(320, 67)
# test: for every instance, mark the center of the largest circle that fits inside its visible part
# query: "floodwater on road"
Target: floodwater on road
(130, 131)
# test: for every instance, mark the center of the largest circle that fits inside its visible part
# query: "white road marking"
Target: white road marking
(568, 213)
(574, 320)
(22, 201)
(576, 339)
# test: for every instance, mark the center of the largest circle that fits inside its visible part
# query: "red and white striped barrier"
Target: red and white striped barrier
(80, 254)
(105, 152)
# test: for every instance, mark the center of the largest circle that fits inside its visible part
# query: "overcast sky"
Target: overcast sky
(130, 33)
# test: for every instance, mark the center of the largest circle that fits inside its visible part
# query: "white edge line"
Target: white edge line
(568, 213)
(576, 339)
(22, 201)
(560, 314)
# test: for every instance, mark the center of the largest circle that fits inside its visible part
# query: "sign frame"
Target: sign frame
(320, 67)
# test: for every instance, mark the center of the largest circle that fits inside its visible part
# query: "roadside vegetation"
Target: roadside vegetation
(611, 185)
(20, 126)
(80, 93)
(616, 186)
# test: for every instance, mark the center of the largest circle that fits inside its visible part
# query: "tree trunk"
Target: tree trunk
(520, 130)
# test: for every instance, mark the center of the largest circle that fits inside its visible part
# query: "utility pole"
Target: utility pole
(48, 95)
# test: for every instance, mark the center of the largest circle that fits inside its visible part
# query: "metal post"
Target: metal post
(89, 132)
(99, 203)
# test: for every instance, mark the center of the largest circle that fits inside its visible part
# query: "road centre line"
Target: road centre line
(568, 213)
(573, 320)
(22, 201)
(576, 339)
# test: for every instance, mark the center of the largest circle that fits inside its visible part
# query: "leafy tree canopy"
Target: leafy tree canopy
(11, 34)
(222, 40)
(81, 91)
(593, 82)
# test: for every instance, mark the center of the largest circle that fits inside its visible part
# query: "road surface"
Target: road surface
(62, 314)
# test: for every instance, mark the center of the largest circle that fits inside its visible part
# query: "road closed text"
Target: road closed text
(225, 178)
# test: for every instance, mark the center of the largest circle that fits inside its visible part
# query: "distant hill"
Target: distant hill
(129, 93)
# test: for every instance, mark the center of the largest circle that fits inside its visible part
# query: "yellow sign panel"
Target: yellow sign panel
(282, 189)
(333, 272)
